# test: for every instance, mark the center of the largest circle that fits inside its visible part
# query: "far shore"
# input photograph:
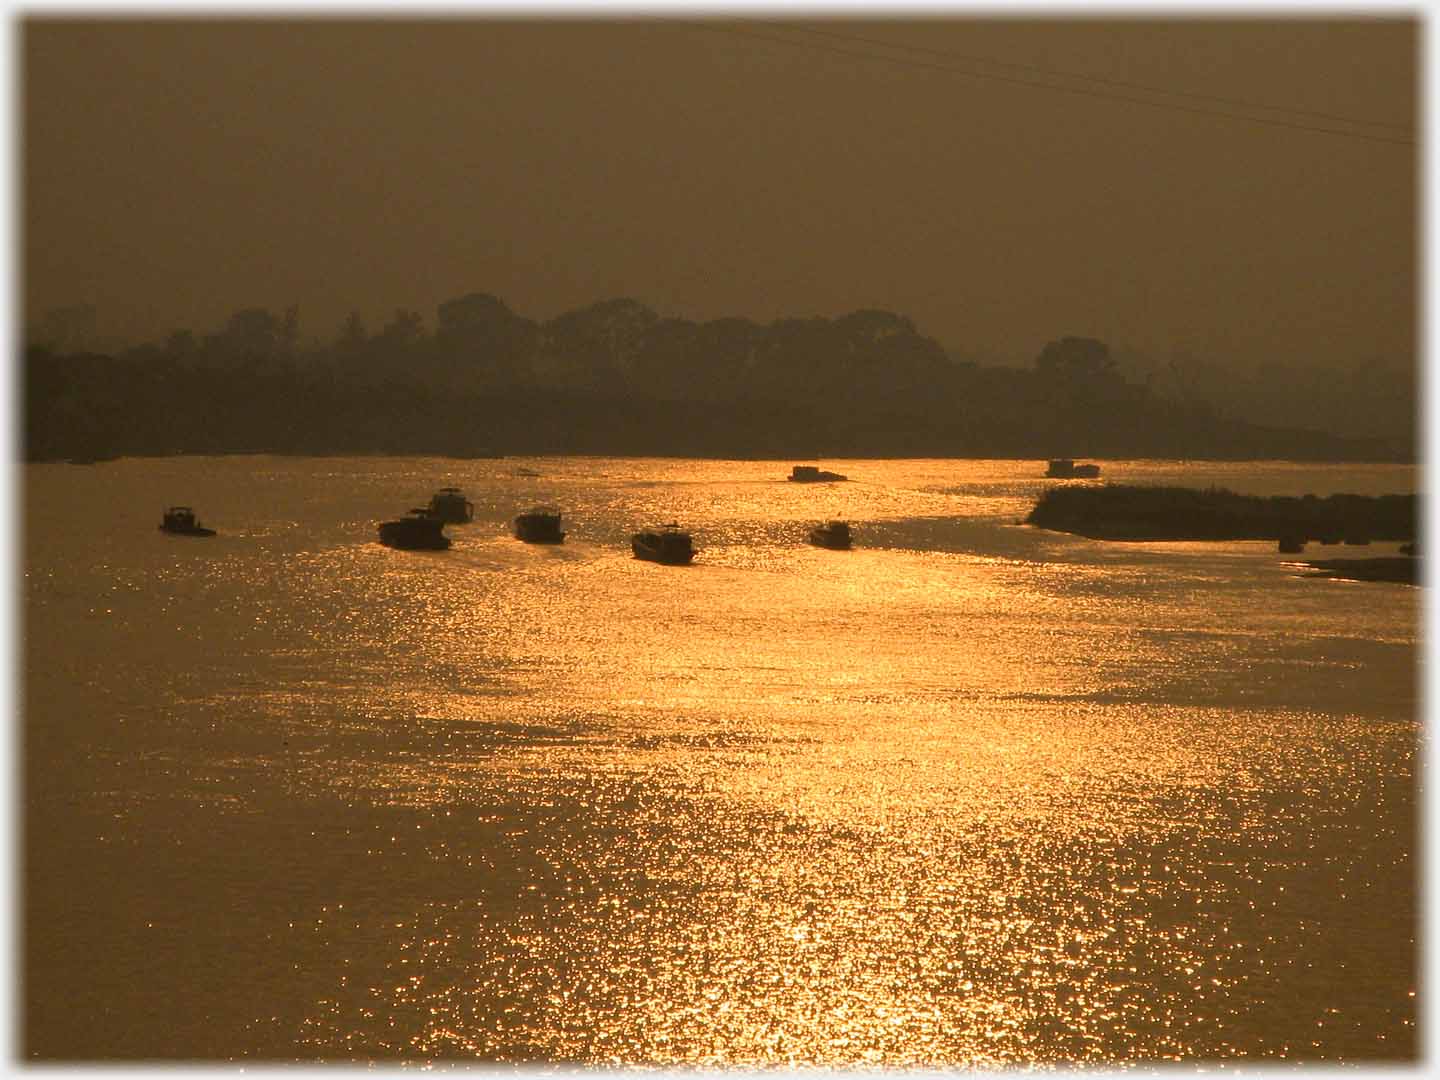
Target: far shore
(851, 454)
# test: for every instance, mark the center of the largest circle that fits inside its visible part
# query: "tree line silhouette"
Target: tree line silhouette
(613, 378)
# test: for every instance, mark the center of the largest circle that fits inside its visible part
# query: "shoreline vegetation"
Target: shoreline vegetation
(1136, 513)
(1404, 569)
(616, 378)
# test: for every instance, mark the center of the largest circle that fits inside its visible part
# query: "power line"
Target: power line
(1054, 73)
(714, 27)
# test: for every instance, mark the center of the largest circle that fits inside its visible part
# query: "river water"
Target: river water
(971, 794)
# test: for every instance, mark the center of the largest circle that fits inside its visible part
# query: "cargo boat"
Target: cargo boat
(833, 534)
(418, 530)
(667, 544)
(451, 507)
(540, 526)
(181, 521)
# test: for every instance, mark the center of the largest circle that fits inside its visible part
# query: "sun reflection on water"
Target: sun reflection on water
(967, 795)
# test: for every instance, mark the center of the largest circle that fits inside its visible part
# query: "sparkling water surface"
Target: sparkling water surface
(972, 794)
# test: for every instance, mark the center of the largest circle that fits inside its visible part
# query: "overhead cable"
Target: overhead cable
(726, 28)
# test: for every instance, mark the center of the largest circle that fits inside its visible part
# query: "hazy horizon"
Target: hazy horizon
(176, 170)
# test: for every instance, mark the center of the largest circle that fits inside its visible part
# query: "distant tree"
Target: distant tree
(1189, 378)
(798, 358)
(726, 352)
(252, 332)
(730, 342)
(180, 344)
(610, 331)
(481, 344)
(352, 333)
(290, 329)
(667, 363)
(870, 326)
(1075, 356)
(889, 343)
(596, 346)
(474, 311)
(65, 329)
(405, 328)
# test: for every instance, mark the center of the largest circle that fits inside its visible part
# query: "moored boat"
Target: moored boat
(1066, 469)
(181, 521)
(540, 526)
(450, 506)
(667, 544)
(418, 530)
(833, 534)
(813, 474)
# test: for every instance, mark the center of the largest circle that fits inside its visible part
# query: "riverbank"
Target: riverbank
(1404, 569)
(1129, 512)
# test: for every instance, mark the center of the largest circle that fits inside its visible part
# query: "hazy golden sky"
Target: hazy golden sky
(173, 172)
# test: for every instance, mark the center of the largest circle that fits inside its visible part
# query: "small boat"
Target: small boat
(418, 530)
(666, 544)
(1291, 544)
(813, 474)
(451, 507)
(833, 534)
(181, 521)
(1066, 469)
(540, 526)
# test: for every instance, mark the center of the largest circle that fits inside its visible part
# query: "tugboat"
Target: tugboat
(813, 474)
(181, 521)
(833, 534)
(540, 526)
(1066, 469)
(666, 544)
(418, 530)
(451, 507)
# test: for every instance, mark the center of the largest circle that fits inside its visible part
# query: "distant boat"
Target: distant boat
(180, 520)
(667, 544)
(418, 530)
(813, 474)
(451, 507)
(833, 534)
(540, 526)
(1066, 469)
(1291, 544)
